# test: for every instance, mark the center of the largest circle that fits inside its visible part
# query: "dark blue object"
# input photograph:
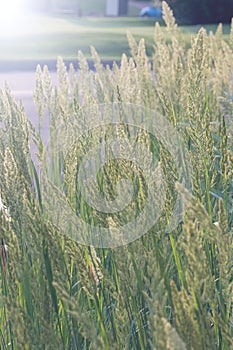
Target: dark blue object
(155, 12)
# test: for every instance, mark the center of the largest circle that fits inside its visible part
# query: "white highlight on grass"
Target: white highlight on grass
(5, 211)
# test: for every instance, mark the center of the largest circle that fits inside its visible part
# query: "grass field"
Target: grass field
(168, 288)
(49, 37)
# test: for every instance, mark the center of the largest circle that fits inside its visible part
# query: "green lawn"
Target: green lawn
(48, 37)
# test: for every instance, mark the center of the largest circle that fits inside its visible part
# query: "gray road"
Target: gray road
(22, 85)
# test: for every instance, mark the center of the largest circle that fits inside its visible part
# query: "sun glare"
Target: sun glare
(12, 16)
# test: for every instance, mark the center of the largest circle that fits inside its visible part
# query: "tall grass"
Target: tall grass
(163, 291)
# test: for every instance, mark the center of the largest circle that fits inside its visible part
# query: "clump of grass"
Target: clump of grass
(163, 291)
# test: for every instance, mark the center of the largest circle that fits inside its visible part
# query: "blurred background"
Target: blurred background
(185, 11)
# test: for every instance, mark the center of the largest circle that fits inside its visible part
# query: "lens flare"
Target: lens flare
(12, 17)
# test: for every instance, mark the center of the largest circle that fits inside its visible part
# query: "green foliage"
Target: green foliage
(163, 291)
(202, 12)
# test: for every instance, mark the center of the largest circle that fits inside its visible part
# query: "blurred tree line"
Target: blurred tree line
(185, 11)
(48, 5)
(202, 11)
